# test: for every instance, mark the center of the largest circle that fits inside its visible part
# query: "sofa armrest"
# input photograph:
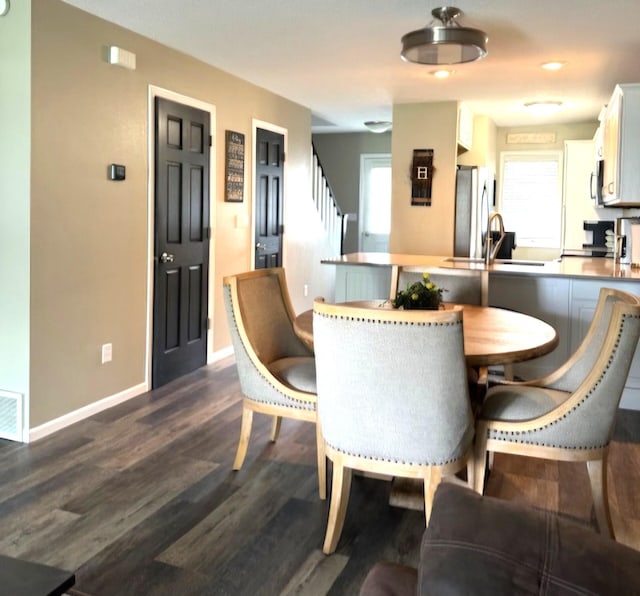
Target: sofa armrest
(484, 545)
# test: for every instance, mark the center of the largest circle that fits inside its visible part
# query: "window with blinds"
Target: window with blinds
(531, 197)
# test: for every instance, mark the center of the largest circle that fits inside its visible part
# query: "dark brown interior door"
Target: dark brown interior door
(269, 198)
(181, 257)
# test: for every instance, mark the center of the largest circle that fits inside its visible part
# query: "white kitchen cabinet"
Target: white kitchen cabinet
(621, 149)
(465, 127)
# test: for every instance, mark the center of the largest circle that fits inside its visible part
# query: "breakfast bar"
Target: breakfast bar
(562, 292)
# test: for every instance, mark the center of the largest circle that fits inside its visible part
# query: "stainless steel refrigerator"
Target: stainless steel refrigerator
(474, 201)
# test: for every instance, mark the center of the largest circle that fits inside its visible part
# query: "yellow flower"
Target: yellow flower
(414, 296)
(425, 275)
(429, 285)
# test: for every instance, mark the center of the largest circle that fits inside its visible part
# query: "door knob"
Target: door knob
(167, 257)
(261, 246)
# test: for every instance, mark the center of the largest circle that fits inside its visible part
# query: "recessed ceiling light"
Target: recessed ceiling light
(442, 74)
(553, 65)
(543, 108)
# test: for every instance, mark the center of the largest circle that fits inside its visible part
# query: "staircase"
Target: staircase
(333, 220)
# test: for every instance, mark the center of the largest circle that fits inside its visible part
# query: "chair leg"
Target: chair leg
(598, 476)
(245, 434)
(471, 471)
(431, 481)
(322, 463)
(480, 459)
(275, 428)
(341, 485)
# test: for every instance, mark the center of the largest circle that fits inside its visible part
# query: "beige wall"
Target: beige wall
(89, 240)
(15, 146)
(423, 230)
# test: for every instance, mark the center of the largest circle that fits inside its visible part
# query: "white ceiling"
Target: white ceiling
(341, 58)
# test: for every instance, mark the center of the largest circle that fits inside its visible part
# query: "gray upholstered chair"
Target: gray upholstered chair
(392, 398)
(569, 414)
(463, 286)
(276, 369)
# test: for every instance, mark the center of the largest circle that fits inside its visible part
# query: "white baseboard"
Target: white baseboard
(39, 432)
(65, 420)
(220, 354)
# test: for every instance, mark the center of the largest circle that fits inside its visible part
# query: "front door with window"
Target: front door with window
(375, 202)
(181, 259)
(269, 198)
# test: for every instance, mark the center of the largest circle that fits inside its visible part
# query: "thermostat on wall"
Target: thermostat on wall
(117, 172)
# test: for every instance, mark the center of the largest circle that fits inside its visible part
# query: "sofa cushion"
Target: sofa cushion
(390, 579)
(484, 545)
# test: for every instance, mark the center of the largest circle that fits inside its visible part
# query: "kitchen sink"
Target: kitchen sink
(520, 262)
(463, 260)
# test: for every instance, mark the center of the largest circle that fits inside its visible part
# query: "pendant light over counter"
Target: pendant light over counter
(446, 44)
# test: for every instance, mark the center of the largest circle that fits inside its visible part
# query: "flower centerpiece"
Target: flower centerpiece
(423, 294)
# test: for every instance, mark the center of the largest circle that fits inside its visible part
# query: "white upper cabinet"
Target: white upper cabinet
(465, 127)
(621, 147)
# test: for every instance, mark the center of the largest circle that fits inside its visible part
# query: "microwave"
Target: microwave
(595, 184)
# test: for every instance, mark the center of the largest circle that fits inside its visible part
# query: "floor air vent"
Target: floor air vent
(11, 415)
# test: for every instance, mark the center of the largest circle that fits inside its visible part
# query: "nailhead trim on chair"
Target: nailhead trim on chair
(394, 461)
(294, 403)
(501, 435)
(409, 323)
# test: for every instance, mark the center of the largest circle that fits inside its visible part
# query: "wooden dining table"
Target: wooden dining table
(491, 335)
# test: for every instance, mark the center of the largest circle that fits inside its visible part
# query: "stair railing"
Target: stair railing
(333, 220)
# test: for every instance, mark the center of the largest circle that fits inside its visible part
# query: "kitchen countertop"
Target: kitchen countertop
(580, 267)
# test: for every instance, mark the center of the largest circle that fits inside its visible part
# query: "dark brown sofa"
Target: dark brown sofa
(483, 545)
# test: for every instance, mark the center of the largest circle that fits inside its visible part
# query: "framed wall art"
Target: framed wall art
(234, 167)
(421, 176)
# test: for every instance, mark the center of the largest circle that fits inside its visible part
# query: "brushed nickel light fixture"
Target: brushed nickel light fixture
(448, 43)
(378, 125)
(543, 108)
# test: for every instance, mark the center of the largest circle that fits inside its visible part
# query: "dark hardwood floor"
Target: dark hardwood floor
(141, 499)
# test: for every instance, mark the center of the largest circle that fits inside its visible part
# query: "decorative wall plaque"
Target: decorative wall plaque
(421, 176)
(531, 138)
(234, 166)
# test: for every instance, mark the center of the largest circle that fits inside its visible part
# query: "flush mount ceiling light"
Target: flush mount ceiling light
(448, 43)
(543, 108)
(378, 125)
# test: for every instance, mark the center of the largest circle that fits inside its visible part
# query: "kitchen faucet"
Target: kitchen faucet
(490, 251)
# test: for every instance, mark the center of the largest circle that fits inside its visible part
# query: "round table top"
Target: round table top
(491, 335)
